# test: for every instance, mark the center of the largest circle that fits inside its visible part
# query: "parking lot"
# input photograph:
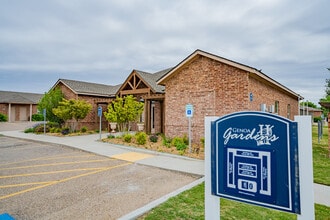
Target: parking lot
(49, 181)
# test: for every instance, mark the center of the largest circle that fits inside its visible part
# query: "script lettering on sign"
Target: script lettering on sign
(264, 136)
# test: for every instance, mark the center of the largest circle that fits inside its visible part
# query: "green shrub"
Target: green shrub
(141, 138)
(65, 131)
(153, 138)
(37, 117)
(53, 124)
(316, 119)
(3, 118)
(179, 143)
(185, 140)
(202, 140)
(40, 128)
(55, 130)
(127, 138)
(111, 136)
(29, 130)
(83, 129)
(166, 141)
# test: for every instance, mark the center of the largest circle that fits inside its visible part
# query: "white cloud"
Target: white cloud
(290, 41)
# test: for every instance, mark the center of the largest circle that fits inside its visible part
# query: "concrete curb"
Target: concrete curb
(138, 212)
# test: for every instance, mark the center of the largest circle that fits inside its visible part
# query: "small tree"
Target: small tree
(49, 101)
(72, 109)
(124, 111)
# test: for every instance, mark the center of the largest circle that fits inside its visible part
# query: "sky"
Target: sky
(102, 41)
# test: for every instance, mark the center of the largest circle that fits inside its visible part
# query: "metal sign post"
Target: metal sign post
(99, 113)
(44, 113)
(189, 114)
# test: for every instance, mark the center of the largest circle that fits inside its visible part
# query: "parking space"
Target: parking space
(47, 181)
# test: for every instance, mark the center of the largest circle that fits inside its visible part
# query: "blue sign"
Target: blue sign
(189, 110)
(99, 111)
(255, 160)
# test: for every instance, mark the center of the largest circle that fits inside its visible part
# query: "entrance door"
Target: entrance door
(22, 114)
(12, 114)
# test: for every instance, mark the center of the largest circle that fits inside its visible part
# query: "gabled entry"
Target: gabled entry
(143, 86)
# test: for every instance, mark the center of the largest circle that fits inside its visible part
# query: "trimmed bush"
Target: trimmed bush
(153, 138)
(111, 136)
(141, 138)
(37, 117)
(40, 128)
(83, 129)
(179, 143)
(316, 119)
(29, 130)
(3, 118)
(53, 124)
(127, 138)
(185, 140)
(65, 131)
(167, 141)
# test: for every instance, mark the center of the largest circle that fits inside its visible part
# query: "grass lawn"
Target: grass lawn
(190, 204)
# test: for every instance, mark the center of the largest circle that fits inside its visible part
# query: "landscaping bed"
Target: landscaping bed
(163, 144)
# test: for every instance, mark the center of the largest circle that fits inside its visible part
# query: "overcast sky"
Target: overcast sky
(102, 41)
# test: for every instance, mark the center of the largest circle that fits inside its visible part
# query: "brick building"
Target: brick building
(93, 93)
(215, 86)
(19, 106)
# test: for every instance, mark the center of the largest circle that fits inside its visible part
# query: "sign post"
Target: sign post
(44, 113)
(99, 113)
(189, 114)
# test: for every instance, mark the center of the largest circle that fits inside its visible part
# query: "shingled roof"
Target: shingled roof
(19, 97)
(151, 79)
(87, 88)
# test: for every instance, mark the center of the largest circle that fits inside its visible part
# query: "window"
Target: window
(277, 105)
(289, 111)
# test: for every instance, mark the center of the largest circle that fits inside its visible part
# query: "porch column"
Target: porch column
(9, 112)
(30, 112)
(147, 116)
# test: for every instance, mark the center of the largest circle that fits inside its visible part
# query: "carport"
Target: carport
(19, 106)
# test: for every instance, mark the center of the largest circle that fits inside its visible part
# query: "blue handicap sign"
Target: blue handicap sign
(189, 110)
(6, 216)
(255, 160)
(99, 111)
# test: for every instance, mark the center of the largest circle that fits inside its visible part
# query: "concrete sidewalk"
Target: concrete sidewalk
(92, 144)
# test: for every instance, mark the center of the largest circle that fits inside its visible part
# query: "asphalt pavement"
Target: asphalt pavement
(92, 143)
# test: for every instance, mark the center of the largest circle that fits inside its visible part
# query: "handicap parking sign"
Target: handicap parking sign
(189, 110)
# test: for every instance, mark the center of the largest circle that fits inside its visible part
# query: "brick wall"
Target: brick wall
(264, 93)
(92, 119)
(4, 109)
(214, 89)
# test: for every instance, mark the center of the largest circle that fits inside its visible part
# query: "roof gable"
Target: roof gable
(196, 54)
(87, 88)
(142, 82)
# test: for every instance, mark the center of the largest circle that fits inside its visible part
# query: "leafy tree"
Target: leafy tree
(72, 109)
(309, 104)
(124, 111)
(327, 87)
(49, 101)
